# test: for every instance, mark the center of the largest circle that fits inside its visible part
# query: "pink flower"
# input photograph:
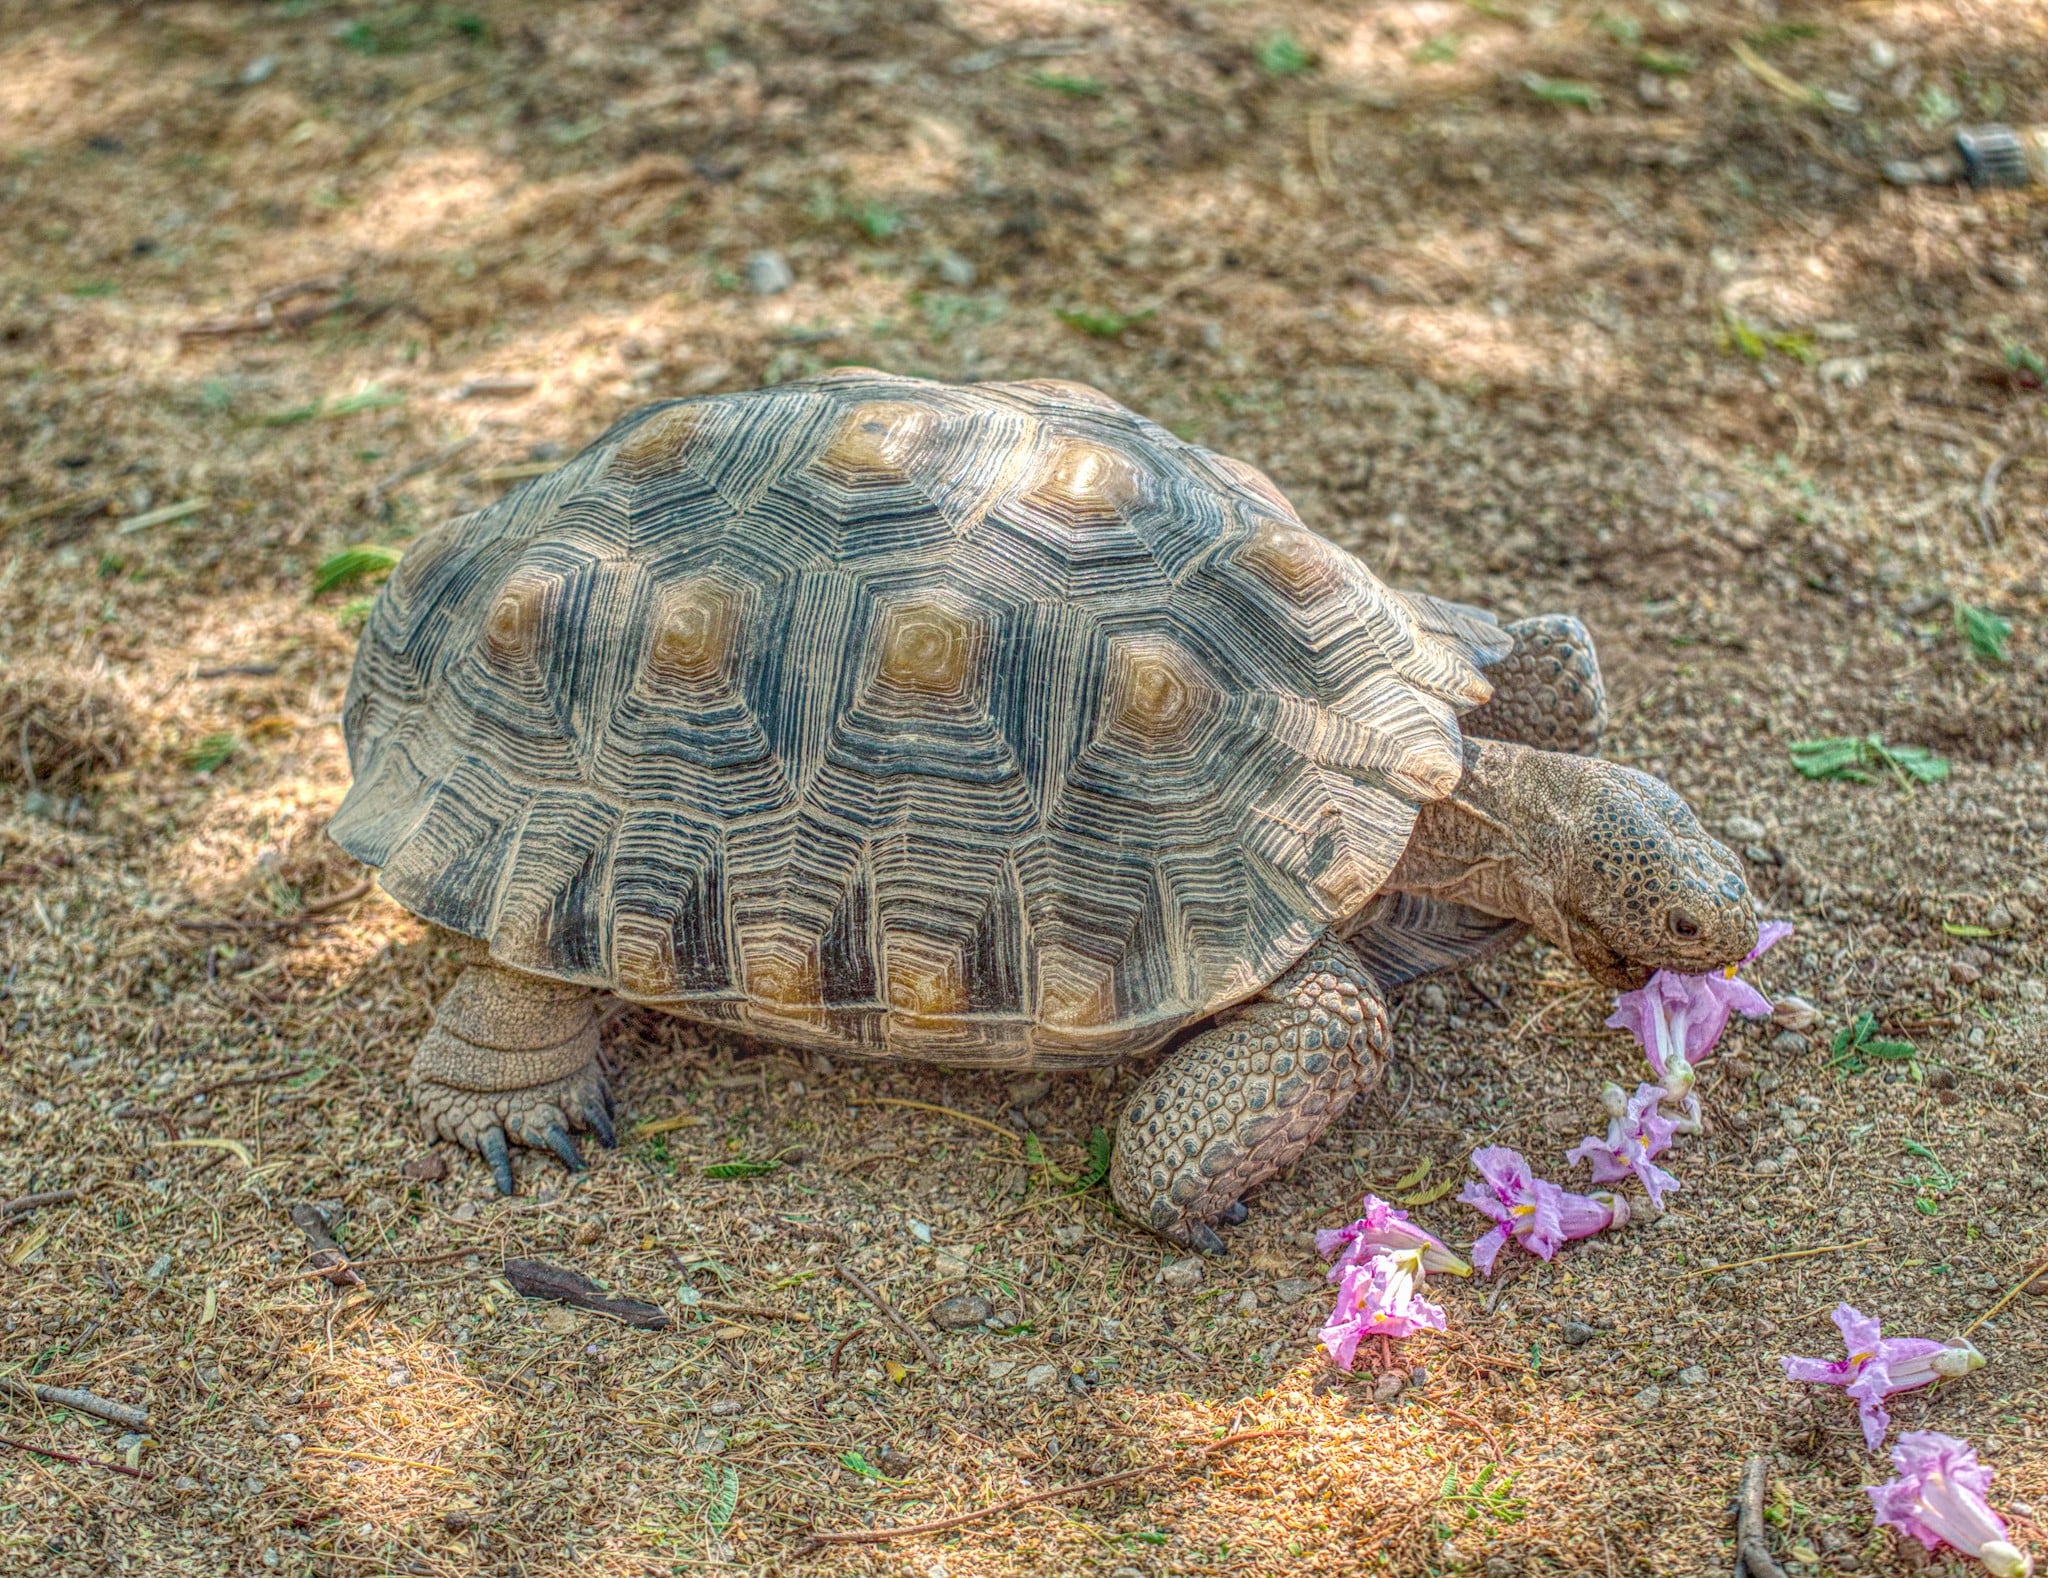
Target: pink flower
(1879, 1366)
(1386, 1227)
(1535, 1213)
(1377, 1298)
(1634, 1139)
(1678, 1018)
(1939, 1499)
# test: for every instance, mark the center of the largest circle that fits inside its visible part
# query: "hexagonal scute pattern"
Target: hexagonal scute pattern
(985, 724)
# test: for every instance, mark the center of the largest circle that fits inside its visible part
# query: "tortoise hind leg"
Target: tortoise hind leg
(1547, 692)
(1239, 1102)
(512, 1057)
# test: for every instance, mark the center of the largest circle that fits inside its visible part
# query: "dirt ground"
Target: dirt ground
(1537, 304)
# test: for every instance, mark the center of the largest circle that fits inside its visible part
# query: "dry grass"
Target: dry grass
(1483, 338)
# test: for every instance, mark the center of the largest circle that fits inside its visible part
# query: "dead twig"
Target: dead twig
(1467, 1420)
(1101, 1481)
(839, 1349)
(860, 1285)
(536, 1279)
(419, 468)
(1764, 1260)
(1987, 498)
(328, 1257)
(305, 913)
(30, 1203)
(84, 1402)
(66, 1457)
(84, 503)
(2026, 1280)
(765, 1311)
(1752, 1549)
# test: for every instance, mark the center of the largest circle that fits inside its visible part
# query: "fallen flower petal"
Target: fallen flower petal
(1878, 1367)
(1386, 1227)
(1939, 1498)
(1532, 1211)
(1634, 1139)
(1679, 1018)
(1377, 1298)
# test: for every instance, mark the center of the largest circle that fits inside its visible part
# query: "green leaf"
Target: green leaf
(1985, 632)
(1104, 323)
(1958, 929)
(212, 753)
(745, 1167)
(1846, 758)
(1925, 1206)
(2025, 359)
(1428, 1196)
(1072, 87)
(721, 1493)
(1034, 1153)
(1667, 65)
(1100, 1149)
(1579, 95)
(371, 399)
(1835, 756)
(1279, 55)
(866, 1470)
(355, 564)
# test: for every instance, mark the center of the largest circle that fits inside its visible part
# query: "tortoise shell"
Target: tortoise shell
(980, 724)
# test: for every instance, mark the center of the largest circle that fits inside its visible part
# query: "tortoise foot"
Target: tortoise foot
(512, 1060)
(1241, 1101)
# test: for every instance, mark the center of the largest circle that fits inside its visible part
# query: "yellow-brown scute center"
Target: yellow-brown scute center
(1292, 561)
(1158, 696)
(878, 435)
(694, 636)
(513, 626)
(926, 647)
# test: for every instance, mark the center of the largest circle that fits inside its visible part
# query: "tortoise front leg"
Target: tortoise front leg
(1234, 1105)
(516, 1056)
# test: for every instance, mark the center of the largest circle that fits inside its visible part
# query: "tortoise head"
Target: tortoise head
(1640, 885)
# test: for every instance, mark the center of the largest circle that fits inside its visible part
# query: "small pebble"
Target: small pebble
(1432, 997)
(1743, 829)
(954, 269)
(1247, 1304)
(258, 71)
(1181, 1273)
(1389, 1386)
(1003, 1320)
(1040, 1375)
(1069, 1235)
(1577, 1333)
(1292, 1290)
(998, 1368)
(430, 1168)
(1419, 1376)
(1692, 1375)
(957, 1314)
(1649, 1397)
(1999, 917)
(1790, 1042)
(769, 274)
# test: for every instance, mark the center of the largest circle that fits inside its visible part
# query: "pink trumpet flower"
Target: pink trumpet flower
(1679, 1018)
(1939, 1499)
(1532, 1211)
(1377, 1298)
(1386, 1227)
(1879, 1366)
(1635, 1138)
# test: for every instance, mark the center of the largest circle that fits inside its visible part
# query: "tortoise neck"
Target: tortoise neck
(1495, 843)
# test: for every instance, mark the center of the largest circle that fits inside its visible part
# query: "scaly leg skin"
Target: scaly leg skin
(1237, 1103)
(516, 1057)
(1547, 692)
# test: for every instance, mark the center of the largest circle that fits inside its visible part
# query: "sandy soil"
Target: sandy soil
(1538, 305)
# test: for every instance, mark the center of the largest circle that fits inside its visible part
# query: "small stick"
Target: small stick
(333, 901)
(329, 1258)
(66, 1457)
(899, 1531)
(2027, 1277)
(56, 506)
(839, 1348)
(854, 1280)
(1765, 1260)
(419, 468)
(1467, 1419)
(765, 1311)
(85, 1402)
(1987, 500)
(1752, 1550)
(35, 1202)
(949, 1112)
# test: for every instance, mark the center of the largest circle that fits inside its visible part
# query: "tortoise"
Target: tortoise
(980, 724)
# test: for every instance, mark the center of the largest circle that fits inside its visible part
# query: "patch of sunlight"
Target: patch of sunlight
(1470, 346)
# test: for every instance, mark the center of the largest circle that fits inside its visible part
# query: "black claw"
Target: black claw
(1204, 1238)
(499, 1155)
(564, 1147)
(1234, 1213)
(600, 1119)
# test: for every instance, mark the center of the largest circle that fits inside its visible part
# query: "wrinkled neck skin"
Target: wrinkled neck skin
(1497, 844)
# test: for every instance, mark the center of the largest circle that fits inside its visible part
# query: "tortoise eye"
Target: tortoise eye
(1683, 925)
